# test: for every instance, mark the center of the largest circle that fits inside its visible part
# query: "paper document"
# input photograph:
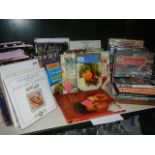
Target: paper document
(107, 119)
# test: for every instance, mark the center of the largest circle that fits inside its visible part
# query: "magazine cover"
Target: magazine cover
(133, 63)
(49, 51)
(89, 71)
(86, 105)
(69, 76)
(35, 99)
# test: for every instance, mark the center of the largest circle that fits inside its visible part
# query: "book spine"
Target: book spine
(135, 86)
(150, 99)
(146, 91)
(4, 112)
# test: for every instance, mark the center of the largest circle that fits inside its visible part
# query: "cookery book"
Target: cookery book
(114, 43)
(30, 96)
(133, 63)
(89, 71)
(69, 75)
(87, 105)
(49, 51)
(12, 70)
(85, 44)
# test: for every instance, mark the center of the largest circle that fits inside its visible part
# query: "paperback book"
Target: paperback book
(30, 96)
(49, 51)
(105, 69)
(82, 106)
(69, 75)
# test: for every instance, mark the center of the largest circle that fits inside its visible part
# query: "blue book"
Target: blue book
(4, 111)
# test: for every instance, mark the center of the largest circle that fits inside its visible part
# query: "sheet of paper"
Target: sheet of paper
(107, 119)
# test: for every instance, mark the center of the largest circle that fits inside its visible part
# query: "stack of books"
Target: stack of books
(133, 76)
(26, 93)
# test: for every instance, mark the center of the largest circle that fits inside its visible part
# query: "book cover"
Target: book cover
(105, 67)
(133, 63)
(69, 76)
(89, 71)
(85, 44)
(49, 51)
(30, 96)
(114, 43)
(12, 70)
(86, 105)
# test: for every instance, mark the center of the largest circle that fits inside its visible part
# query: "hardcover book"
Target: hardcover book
(133, 63)
(86, 105)
(89, 71)
(30, 96)
(115, 43)
(69, 76)
(49, 51)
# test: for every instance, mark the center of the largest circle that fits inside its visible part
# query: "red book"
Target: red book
(87, 105)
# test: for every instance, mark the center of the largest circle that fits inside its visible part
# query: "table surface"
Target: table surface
(55, 119)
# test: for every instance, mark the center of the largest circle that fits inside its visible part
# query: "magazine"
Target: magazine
(30, 96)
(87, 105)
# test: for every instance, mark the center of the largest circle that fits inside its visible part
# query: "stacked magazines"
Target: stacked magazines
(133, 76)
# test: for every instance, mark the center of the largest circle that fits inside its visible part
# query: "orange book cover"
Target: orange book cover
(86, 105)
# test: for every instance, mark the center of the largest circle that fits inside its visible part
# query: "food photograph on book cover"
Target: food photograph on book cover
(36, 99)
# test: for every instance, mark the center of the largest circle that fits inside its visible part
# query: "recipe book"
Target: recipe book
(30, 96)
(12, 70)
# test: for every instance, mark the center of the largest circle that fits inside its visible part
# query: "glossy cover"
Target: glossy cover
(133, 63)
(78, 107)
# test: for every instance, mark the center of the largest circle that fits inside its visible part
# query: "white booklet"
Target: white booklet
(85, 44)
(30, 96)
(13, 70)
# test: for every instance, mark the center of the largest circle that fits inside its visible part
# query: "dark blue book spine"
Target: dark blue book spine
(4, 111)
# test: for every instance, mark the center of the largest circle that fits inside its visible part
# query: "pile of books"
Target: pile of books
(133, 75)
(26, 93)
(75, 75)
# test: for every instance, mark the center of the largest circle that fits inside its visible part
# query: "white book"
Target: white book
(30, 96)
(51, 40)
(13, 70)
(85, 44)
